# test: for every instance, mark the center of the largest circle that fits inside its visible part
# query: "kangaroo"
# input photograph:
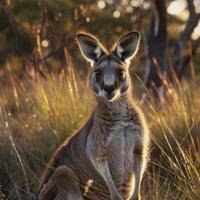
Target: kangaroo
(106, 159)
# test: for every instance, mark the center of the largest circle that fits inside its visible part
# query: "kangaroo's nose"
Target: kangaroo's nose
(109, 88)
(109, 82)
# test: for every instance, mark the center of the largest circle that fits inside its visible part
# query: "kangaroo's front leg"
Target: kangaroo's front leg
(139, 165)
(102, 167)
(138, 177)
(98, 156)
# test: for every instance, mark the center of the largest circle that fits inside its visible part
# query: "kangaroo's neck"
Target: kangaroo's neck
(118, 110)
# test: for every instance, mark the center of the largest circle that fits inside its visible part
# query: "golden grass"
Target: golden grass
(174, 169)
(36, 116)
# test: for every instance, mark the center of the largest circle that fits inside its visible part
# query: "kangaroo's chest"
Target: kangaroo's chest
(120, 153)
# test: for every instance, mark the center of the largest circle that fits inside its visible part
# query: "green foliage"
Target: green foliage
(20, 20)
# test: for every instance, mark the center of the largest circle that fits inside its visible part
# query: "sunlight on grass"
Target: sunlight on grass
(174, 169)
(38, 115)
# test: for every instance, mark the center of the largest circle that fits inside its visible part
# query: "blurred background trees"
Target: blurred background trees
(38, 36)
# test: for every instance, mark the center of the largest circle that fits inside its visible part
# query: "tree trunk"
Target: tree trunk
(187, 59)
(157, 49)
(177, 60)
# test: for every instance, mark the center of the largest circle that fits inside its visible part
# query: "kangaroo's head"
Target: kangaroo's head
(110, 75)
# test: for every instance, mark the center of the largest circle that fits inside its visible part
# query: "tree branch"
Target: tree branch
(184, 38)
(186, 59)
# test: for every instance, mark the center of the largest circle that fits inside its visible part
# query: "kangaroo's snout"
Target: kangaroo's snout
(109, 84)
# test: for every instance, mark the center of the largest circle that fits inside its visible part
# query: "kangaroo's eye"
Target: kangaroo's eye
(121, 73)
(97, 73)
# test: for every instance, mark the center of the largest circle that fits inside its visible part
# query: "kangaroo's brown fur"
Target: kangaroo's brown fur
(107, 157)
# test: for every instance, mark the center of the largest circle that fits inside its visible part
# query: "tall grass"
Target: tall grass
(174, 169)
(36, 116)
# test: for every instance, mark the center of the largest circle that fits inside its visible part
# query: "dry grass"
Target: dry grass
(37, 115)
(174, 169)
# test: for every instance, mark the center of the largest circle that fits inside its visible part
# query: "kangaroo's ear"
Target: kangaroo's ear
(127, 46)
(90, 47)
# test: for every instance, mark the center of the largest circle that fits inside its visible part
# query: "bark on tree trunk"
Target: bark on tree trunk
(186, 59)
(157, 48)
(177, 60)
